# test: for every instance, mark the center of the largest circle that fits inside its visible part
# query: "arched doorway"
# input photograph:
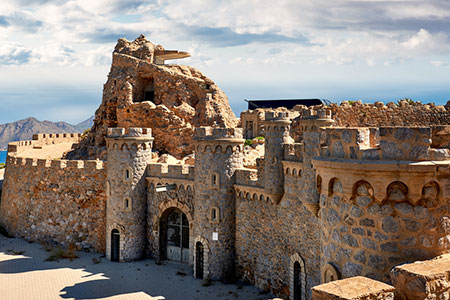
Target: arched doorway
(115, 245)
(199, 263)
(297, 283)
(297, 278)
(174, 235)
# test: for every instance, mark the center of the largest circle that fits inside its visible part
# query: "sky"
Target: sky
(55, 55)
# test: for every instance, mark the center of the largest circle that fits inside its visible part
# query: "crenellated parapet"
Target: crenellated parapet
(214, 133)
(315, 117)
(129, 138)
(56, 163)
(168, 174)
(276, 121)
(42, 139)
(218, 140)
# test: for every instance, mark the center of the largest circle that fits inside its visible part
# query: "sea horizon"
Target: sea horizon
(3, 156)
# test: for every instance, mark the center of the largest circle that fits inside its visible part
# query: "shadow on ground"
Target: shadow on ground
(85, 278)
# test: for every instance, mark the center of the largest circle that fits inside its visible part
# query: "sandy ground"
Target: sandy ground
(47, 152)
(27, 276)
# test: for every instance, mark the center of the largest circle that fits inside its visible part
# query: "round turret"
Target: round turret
(129, 151)
(219, 152)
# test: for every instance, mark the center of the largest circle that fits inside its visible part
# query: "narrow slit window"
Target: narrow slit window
(127, 204)
(127, 175)
(215, 180)
(215, 214)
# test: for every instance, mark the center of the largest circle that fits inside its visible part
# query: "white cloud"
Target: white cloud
(13, 54)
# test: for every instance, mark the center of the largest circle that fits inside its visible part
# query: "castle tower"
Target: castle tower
(129, 151)
(311, 121)
(219, 152)
(276, 128)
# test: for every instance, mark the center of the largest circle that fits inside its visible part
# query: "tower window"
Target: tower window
(215, 180)
(127, 174)
(127, 204)
(214, 214)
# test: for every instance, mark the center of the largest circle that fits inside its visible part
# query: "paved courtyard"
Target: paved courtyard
(26, 275)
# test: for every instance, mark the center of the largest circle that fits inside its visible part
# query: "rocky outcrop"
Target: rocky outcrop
(170, 99)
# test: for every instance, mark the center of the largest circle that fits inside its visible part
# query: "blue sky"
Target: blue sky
(55, 54)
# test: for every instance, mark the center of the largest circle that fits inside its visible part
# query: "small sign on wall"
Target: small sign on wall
(215, 236)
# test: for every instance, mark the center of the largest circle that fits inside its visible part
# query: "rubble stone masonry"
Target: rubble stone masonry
(55, 201)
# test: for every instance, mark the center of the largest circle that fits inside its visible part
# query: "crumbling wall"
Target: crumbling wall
(183, 99)
(378, 114)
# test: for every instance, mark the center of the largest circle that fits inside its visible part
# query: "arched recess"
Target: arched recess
(397, 191)
(319, 184)
(199, 240)
(430, 194)
(329, 274)
(362, 193)
(297, 278)
(334, 186)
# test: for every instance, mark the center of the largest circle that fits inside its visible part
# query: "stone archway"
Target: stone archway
(184, 226)
(174, 236)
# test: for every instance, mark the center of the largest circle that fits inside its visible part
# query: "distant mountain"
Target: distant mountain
(24, 129)
(86, 124)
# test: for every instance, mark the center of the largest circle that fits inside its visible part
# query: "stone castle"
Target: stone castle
(340, 191)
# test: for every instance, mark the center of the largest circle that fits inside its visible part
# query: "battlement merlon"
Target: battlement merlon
(130, 133)
(277, 117)
(316, 117)
(218, 134)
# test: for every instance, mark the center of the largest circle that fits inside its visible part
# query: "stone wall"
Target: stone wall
(358, 114)
(55, 200)
(363, 237)
(386, 208)
(388, 143)
(268, 235)
(379, 114)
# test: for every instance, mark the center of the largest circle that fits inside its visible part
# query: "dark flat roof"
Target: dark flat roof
(288, 103)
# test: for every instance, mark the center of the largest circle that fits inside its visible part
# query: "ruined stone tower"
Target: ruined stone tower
(219, 152)
(276, 134)
(129, 151)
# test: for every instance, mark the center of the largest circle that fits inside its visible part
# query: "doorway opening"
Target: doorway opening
(115, 245)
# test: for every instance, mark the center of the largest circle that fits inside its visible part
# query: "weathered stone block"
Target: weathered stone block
(422, 279)
(389, 224)
(355, 288)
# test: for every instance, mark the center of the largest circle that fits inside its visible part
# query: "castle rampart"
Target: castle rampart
(33, 185)
(42, 139)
